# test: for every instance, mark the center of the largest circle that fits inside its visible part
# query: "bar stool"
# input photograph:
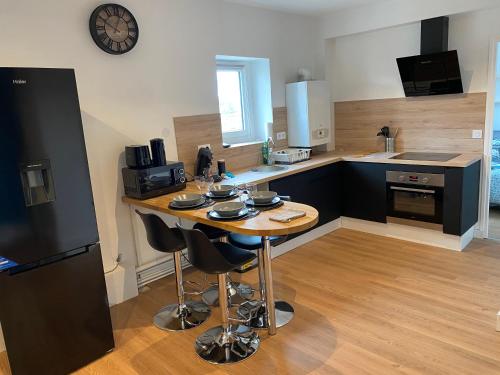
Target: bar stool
(238, 293)
(257, 309)
(183, 314)
(228, 343)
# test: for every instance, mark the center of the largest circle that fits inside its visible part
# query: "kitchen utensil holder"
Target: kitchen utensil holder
(389, 144)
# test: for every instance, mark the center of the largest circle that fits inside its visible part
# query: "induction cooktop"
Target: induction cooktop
(425, 156)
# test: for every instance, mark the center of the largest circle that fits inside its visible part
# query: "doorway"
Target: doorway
(493, 229)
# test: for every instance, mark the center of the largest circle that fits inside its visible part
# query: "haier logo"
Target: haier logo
(19, 81)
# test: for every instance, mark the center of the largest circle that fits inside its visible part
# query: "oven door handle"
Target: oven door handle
(413, 190)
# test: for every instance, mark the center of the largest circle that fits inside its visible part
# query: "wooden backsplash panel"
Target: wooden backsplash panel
(280, 124)
(439, 123)
(192, 131)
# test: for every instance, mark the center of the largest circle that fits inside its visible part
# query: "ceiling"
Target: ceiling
(306, 6)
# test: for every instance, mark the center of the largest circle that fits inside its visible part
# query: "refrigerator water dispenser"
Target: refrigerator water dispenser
(38, 184)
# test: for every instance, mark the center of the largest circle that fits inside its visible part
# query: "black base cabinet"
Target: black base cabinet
(364, 191)
(461, 199)
(359, 190)
(319, 188)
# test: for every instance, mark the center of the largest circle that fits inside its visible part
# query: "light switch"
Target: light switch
(477, 134)
(281, 136)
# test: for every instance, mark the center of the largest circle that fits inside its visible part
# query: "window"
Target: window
(244, 91)
(233, 102)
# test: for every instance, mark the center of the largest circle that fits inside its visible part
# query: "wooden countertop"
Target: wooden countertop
(256, 226)
(316, 161)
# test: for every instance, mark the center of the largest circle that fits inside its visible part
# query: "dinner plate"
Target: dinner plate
(174, 205)
(229, 209)
(232, 194)
(221, 190)
(263, 197)
(242, 213)
(188, 200)
(252, 203)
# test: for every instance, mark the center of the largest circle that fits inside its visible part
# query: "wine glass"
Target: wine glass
(209, 182)
(251, 189)
(199, 181)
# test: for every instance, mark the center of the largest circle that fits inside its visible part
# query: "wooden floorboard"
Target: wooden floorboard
(364, 305)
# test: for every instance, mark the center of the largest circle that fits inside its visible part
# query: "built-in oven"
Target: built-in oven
(415, 199)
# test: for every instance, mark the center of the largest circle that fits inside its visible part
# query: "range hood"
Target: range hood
(436, 71)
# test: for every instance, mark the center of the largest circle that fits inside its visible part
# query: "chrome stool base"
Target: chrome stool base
(284, 314)
(238, 293)
(178, 318)
(220, 347)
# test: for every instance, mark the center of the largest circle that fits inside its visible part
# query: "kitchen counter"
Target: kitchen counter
(316, 161)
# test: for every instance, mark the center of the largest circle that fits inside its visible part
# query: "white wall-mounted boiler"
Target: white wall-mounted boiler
(309, 114)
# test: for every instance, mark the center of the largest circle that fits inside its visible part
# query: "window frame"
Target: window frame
(248, 133)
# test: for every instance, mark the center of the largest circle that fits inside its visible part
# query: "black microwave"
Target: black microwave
(153, 182)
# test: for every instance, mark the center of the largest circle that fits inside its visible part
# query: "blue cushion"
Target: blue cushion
(253, 242)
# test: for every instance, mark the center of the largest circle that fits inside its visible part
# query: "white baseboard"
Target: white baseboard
(412, 234)
(306, 237)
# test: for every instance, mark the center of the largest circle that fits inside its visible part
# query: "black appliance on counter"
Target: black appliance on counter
(138, 157)
(153, 182)
(204, 162)
(158, 151)
(53, 310)
(146, 178)
(436, 71)
(415, 199)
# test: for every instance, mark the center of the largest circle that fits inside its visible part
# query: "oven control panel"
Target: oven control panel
(413, 178)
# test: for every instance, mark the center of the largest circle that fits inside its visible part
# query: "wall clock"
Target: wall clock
(114, 29)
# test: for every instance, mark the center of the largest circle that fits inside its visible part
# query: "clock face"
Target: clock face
(114, 29)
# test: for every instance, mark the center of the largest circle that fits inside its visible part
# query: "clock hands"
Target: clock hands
(110, 25)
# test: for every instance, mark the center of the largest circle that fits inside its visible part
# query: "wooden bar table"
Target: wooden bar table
(255, 226)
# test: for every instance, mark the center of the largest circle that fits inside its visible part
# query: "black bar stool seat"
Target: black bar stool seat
(183, 314)
(234, 255)
(253, 242)
(211, 232)
(239, 292)
(230, 342)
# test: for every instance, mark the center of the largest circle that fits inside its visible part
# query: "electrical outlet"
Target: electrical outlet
(205, 146)
(281, 136)
(477, 134)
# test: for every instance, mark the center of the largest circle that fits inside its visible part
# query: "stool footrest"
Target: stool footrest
(198, 289)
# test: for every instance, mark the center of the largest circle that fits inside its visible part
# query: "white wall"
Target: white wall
(363, 66)
(171, 72)
(394, 12)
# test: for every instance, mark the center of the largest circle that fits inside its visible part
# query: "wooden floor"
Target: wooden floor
(364, 305)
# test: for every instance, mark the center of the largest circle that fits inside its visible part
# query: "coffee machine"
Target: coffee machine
(147, 177)
(203, 162)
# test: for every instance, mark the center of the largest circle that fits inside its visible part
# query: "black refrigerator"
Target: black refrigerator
(54, 311)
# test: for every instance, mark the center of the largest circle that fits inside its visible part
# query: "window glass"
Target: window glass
(230, 100)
